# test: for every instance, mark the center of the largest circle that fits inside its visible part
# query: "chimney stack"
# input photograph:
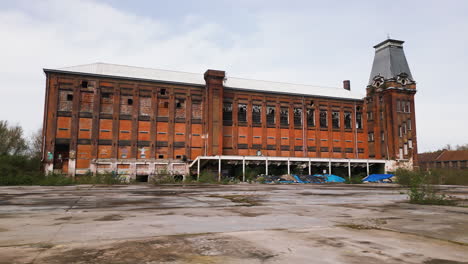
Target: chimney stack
(347, 85)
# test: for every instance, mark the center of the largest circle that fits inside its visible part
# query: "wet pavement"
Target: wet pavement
(244, 223)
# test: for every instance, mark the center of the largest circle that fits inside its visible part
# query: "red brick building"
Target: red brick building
(138, 121)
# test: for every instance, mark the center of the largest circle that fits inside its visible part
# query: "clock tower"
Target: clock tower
(390, 106)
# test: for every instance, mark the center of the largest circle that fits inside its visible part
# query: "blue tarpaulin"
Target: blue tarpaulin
(377, 177)
(333, 178)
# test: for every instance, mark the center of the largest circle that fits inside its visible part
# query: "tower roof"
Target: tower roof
(389, 60)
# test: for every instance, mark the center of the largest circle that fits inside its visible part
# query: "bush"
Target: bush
(261, 179)
(355, 179)
(56, 180)
(207, 176)
(20, 170)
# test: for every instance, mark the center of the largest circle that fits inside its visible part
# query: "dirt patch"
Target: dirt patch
(245, 200)
(246, 213)
(3, 229)
(178, 249)
(113, 217)
(443, 261)
(64, 218)
(357, 226)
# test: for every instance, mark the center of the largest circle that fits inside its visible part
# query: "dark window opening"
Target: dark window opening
(271, 115)
(84, 84)
(130, 101)
(323, 119)
(242, 113)
(160, 156)
(227, 112)
(335, 119)
(370, 137)
(310, 117)
(180, 103)
(284, 116)
(69, 97)
(141, 178)
(359, 120)
(105, 95)
(311, 102)
(347, 120)
(178, 156)
(162, 91)
(298, 116)
(256, 114)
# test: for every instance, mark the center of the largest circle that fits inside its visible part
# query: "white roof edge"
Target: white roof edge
(125, 71)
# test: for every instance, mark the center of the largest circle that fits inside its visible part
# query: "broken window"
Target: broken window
(69, 97)
(242, 113)
(298, 116)
(84, 84)
(336, 119)
(284, 116)
(408, 106)
(323, 119)
(410, 143)
(370, 137)
(271, 115)
(162, 91)
(405, 149)
(180, 108)
(370, 116)
(197, 110)
(404, 128)
(130, 101)
(400, 131)
(359, 120)
(381, 115)
(180, 103)
(347, 120)
(398, 108)
(257, 114)
(310, 117)
(409, 124)
(227, 112)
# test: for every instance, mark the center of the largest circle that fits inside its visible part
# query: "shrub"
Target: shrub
(261, 179)
(207, 176)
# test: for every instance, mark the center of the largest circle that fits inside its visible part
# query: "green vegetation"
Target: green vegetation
(355, 179)
(421, 189)
(207, 176)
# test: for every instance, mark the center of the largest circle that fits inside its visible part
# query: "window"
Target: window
(382, 136)
(370, 137)
(400, 131)
(227, 112)
(404, 128)
(408, 124)
(270, 115)
(310, 117)
(347, 120)
(180, 103)
(381, 115)
(84, 84)
(105, 95)
(359, 120)
(160, 156)
(401, 153)
(323, 119)
(130, 101)
(242, 113)
(398, 108)
(370, 116)
(335, 119)
(298, 116)
(257, 114)
(284, 116)
(405, 149)
(162, 91)
(408, 106)
(410, 143)
(166, 104)
(69, 97)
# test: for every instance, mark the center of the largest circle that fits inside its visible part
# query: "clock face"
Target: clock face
(378, 81)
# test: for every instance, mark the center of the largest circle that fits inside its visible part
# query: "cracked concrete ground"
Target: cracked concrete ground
(228, 224)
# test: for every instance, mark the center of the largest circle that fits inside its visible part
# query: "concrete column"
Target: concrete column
(219, 168)
(310, 169)
(289, 169)
(349, 169)
(198, 169)
(93, 168)
(266, 166)
(243, 168)
(72, 167)
(367, 166)
(329, 167)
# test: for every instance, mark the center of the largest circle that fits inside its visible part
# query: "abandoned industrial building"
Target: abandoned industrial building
(139, 121)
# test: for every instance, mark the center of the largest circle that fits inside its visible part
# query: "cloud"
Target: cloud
(315, 45)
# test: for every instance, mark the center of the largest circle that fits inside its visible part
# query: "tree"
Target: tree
(12, 141)
(35, 144)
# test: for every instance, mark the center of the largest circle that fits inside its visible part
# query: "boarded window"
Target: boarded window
(336, 119)
(284, 116)
(180, 108)
(64, 103)
(227, 112)
(323, 119)
(107, 100)
(145, 106)
(347, 120)
(257, 114)
(242, 113)
(196, 110)
(310, 117)
(271, 115)
(298, 116)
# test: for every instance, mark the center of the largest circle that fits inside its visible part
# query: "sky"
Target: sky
(307, 42)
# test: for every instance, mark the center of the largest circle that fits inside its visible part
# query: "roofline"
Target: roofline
(192, 84)
(399, 42)
(122, 77)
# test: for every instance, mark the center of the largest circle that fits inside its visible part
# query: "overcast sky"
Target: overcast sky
(309, 42)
